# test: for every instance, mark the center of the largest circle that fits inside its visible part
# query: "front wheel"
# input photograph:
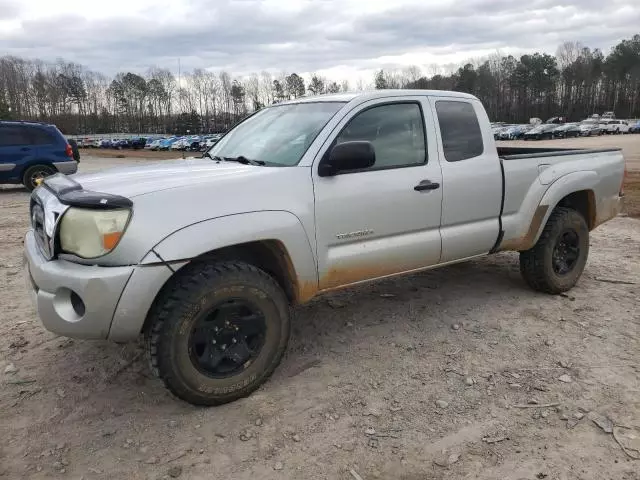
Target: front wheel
(218, 332)
(35, 174)
(557, 260)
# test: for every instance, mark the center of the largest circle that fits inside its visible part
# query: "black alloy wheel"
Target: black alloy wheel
(566, 252)
(226, 338)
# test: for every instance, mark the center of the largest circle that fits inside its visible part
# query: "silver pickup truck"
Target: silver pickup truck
(204, 257)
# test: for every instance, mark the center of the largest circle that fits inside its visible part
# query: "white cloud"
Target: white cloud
(337, 38)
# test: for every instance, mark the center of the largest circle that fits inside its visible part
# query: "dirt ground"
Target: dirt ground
(145, 154)
(440, 375)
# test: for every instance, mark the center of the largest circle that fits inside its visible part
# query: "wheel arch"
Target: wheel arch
(279, 246)
(574, 190)
(39, 162)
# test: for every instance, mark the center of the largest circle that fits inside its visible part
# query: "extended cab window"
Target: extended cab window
(13, 136)
(396, 132)
(460, 130)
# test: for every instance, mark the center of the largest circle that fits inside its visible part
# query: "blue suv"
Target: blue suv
(30, 151)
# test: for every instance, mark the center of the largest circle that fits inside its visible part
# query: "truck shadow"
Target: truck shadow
(422, 304)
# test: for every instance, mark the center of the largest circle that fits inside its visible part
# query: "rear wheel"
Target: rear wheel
(557, 260)
(35, 174)
(218, 332)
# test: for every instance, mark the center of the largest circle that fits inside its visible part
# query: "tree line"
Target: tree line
(575, 82)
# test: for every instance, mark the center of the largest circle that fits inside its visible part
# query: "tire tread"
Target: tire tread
(177, 297)
(532, 264)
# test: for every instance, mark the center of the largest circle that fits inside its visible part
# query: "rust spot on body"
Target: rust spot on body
(527, 240)
(306, 290)
(337, 277)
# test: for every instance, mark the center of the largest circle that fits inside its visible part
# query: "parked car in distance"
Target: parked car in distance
(498, 132)
(614, 126)
(567, 130)
(519, 131)
(541, 132)
(209, 141)
(137, 143)
(179, 144)
(155, 144)
(211, 284)
(167, 142)
(590, 128)
(560, 119)
(31, 151)
(635, 127)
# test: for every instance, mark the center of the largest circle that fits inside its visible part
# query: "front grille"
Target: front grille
(46, 211)
(38, 225)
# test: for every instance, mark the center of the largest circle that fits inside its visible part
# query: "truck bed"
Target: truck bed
(527, 180)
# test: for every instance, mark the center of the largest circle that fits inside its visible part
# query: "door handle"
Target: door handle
(426, 185)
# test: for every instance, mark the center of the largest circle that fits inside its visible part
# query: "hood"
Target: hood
(142, 179)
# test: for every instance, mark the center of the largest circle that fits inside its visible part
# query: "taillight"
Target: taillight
(624, 178)
(69, 151)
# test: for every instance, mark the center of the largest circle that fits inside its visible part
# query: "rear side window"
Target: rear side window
(13, 136)
(460, 130)
(41, 137)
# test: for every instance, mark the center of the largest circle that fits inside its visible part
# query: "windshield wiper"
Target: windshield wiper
(244, 160)
(240, 159)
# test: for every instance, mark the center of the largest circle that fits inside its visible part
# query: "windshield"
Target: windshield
(277, 135)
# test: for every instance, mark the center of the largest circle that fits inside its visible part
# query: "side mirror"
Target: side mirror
(347, 156)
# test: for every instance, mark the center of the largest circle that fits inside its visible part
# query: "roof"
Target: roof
(375, 94)
(24, 122)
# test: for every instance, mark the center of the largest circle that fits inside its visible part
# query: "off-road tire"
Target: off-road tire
(536, 264)
(173, 315)
(28, 175)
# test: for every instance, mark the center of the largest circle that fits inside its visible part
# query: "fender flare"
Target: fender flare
(563, 186)
(560, 188)
(213, 234)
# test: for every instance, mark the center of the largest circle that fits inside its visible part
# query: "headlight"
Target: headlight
(92, 233)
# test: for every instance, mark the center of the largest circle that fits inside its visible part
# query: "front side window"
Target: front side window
(277, 135)
(460, 130)
(396, 132)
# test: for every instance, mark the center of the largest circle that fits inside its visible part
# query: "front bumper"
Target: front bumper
(88, 301)
(71, 299)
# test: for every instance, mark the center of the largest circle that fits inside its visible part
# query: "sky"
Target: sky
(335, 38)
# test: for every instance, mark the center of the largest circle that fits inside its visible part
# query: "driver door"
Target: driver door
(374, 222)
